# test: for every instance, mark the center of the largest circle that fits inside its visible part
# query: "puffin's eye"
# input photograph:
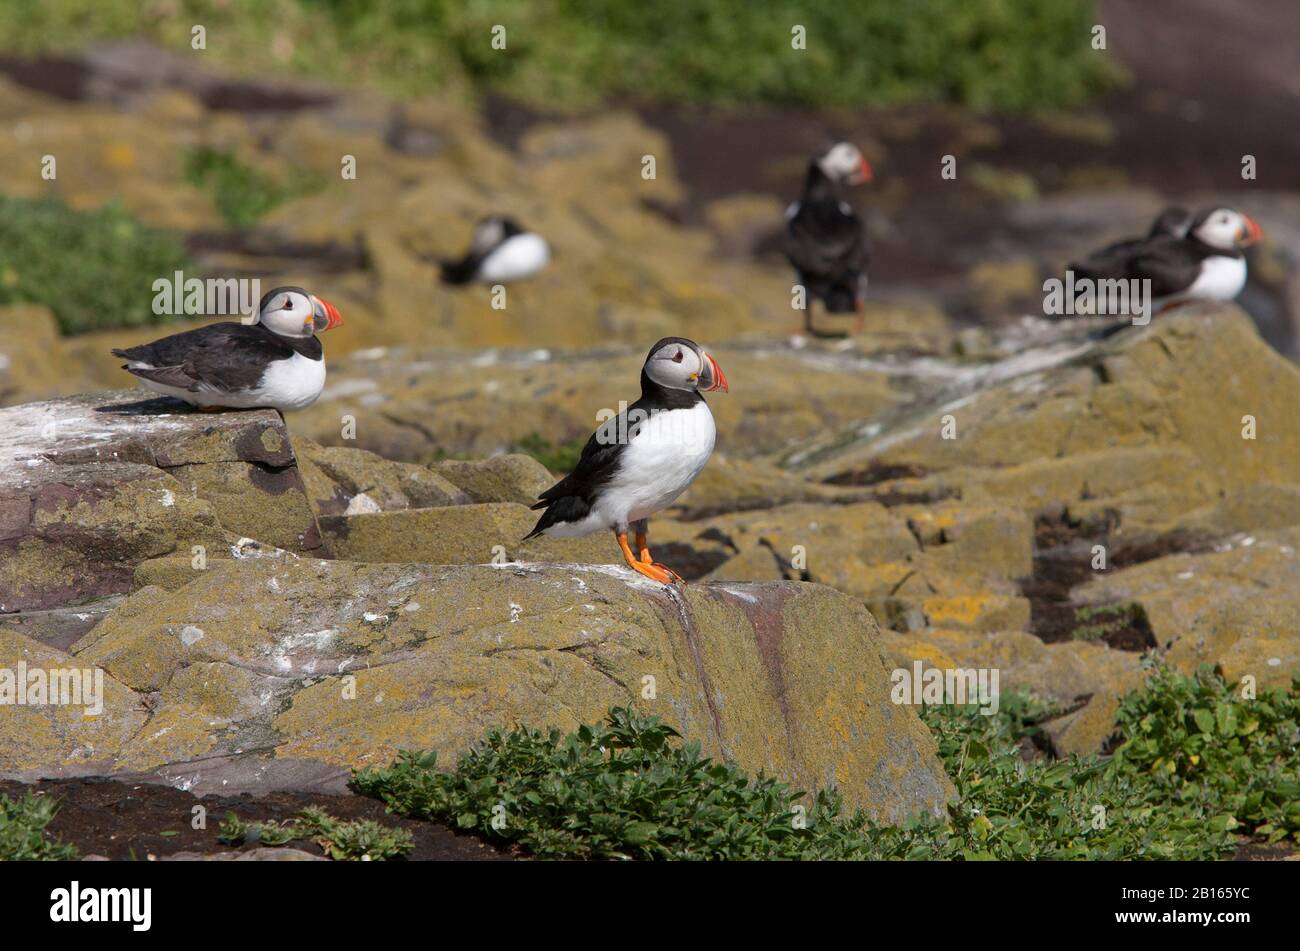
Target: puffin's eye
(678, 357)
(288, 304)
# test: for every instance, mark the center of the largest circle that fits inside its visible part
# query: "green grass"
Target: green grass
(627, 788)
(94, 269)
(23, 835)
(570, 54)
(359, 840)
(559, 458)
(241, 193)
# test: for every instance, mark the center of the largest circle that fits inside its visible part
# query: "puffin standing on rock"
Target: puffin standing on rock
(277, 361)
(500, 252)
(825, 240)
(639, 462)
(1205, 262)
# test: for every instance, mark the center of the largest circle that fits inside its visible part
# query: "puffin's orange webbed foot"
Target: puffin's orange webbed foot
(645, 565)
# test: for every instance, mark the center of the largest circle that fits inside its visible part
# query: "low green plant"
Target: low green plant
(628, 788)
(1202, 746)
(357, 840)
(94, 269)
(241, 193)
(23, 835)
(621, 789)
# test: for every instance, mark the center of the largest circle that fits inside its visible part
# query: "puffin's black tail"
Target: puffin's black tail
(566, 508)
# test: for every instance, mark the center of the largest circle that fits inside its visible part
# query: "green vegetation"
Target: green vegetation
(557, 458)
(626, 789)
(567, 54)
(22, 830)
(1206, 749)
(94, 269)
(361, 840)
(1094, 622)
(240, 192)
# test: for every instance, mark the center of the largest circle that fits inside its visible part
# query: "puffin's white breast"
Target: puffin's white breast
(659, 463)
(515, 259)
(287, 384)
(1221, 278)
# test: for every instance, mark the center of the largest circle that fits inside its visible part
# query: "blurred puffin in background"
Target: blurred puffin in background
(500, 252)
(825, 239)
(1207, 261)
(639, 462)
(276, 361)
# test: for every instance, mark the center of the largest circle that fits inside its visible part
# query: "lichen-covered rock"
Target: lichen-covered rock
(1154, 422)
(346, 481)
(1237, 606)
(83, 726)
(490, 532)
(345, 663)
(91, 486)
(511, 477)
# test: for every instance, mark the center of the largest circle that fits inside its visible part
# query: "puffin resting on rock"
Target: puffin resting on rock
(277, 361)
(639, 462)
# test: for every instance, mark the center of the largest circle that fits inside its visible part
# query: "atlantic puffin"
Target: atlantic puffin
(276, 361)
(1205, 262)
(639, 462)
(499, 253)
(825, 239)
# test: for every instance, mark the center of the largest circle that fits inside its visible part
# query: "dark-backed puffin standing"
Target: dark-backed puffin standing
(500, 252)
(276, 362)
(825, 239)
(1206, 262)
(640, 461)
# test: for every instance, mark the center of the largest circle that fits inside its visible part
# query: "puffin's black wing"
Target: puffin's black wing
(221, 357)
(1112, 261)
(827, 244)
(571, 499)
(1171, 264)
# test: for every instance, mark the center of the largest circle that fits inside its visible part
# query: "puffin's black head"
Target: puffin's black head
(492, 231)
(843, 163)
(292, 312)
(681, 364)
(1225, 229)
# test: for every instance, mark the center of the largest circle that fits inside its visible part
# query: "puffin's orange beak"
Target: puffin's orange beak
(864, 172)
(325, 316)
(717, 380)
(1253, 233)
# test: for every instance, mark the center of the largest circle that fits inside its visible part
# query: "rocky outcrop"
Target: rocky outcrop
(295, 659)
(92, 486)
(1055, 557)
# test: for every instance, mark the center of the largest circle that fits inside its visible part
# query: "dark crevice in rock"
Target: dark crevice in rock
(874, 473)
(689, 562)
(1063, 559)
(788, 570)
